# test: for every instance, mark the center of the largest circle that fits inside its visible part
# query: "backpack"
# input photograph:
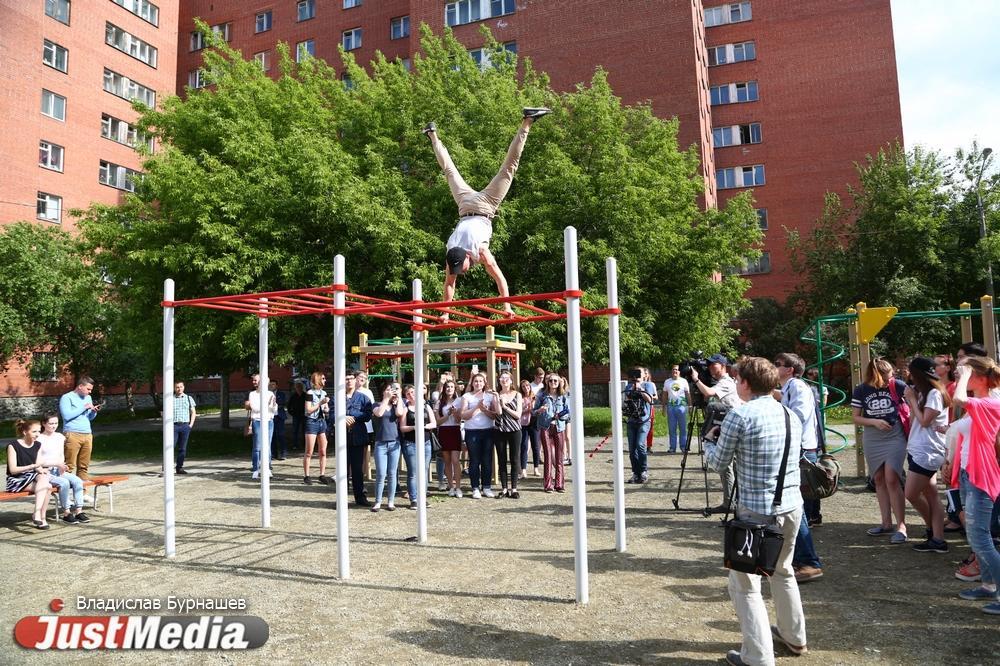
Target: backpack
(818, 480)
(901, 406)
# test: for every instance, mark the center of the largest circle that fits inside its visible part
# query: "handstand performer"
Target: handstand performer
(469, 244)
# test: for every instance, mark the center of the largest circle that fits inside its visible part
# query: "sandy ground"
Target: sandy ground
(495, 582)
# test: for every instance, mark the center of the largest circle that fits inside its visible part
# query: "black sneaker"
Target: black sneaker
(70, 518)
(931, 546)
(535, 112)
(180, 471)
(323, 478)
(82, 518)
(429, 127)
(306, 480)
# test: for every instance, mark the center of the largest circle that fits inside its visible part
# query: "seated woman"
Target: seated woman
(51, 455)
(25, 473)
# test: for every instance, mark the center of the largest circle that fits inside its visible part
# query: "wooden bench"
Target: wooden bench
(95, 482)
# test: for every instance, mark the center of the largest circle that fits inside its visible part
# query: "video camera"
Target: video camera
(697, 367)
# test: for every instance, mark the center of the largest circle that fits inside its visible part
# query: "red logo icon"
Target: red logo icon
(56, 605)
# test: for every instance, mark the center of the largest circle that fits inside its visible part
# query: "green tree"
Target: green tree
(257, 184)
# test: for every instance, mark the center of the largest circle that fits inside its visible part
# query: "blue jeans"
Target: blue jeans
(677, 424)
(480, 445)
(278, 446)
(410, 456)
(182, 431)
(637, 432)
(64, 481)
(531, 435)
(386, 464)
(978, 515)
(805, 552)
(255, 452)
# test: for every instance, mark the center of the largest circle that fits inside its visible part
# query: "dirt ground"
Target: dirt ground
(495, 582)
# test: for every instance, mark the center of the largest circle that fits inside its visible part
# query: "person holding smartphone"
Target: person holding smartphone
(77, 410)
(477, 412)
(317, 407)
(639, 404)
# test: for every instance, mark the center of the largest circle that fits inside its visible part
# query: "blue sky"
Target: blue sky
(949, 72)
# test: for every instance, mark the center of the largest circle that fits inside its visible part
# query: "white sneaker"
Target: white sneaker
(451, 492)
(269, 473)
(442, 487)
(458, 492)
(488, 492)
(87, 499)
(475, 493)
(255, 475)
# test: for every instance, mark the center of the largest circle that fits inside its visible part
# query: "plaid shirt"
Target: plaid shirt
(754, 433)
(182, 408)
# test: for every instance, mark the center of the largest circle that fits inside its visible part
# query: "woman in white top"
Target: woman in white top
(51, 455)
(926, 449)
(477, 412)
(449, 414)
(317, 407)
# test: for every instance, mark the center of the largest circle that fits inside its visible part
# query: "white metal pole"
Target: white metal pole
(576, 416)
(169, 519)
(340, 428)
(419, 434)
(615, 400)
(266, 424)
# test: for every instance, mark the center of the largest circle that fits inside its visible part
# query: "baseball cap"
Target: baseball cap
(455, 258)
(718, 358)
(922, 365)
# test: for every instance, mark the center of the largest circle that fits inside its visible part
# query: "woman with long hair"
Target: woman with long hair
(527, 429)
(317, 406)
(973, 463)
(24, 472)
(52, 455)
(408, 426)
(449, 416)
(477, 412)
(552, 412)
(875, 409)
(507, 433)
(387, 415)
(926, 449)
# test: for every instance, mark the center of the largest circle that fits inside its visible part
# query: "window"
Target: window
(197, 41)
(221, 30)
(348, 82)
(482, 56)
(43, 367)
(407, 64)
(735, 12)
(736, 135)
(729, 53)
(50, 156)
(352, 39)
(53, 105)
(144, 9)
(130, 44)
(263, 21)
(305, 49)
(748, 176)
(122, 132)
(732, 93)
(306, 9)
(126, 88)
(399, 27)
(196, 78)
(263, 60)
(351, 3)
(470, 11)
(48, 207)
(762, 264)
(119, 177)
(54, 56)
(762, 218)
(58, 9)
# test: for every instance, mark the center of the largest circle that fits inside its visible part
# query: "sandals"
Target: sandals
(40, 524)
(881, 531)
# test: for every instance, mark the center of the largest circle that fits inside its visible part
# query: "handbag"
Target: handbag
(751, 546)
(248, 428)
(819, 479)
(901, 407)
(435, 443)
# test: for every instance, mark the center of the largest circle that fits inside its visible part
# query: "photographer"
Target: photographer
(638, 408)
(722, 396)
(752, 437)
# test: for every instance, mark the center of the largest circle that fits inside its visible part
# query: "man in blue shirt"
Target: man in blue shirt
(639, 421)
(77, 411)
(359, 412)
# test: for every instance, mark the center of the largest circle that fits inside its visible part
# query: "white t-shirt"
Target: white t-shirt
(960, 429)
(536, 388)
(676, 391)
(51, 451)
(452, 413)
(470, 234)
(926, 445)
(481, 421)
(255, 405)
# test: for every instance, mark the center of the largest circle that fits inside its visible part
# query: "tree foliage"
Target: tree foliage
(258, 182)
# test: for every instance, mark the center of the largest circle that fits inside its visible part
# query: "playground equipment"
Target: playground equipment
(863, 324)
(421, 317)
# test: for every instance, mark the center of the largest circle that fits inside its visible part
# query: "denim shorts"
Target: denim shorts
(917, 469)
(315, 426)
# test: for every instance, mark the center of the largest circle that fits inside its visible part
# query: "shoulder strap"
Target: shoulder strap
(893, 392)
(784, 459)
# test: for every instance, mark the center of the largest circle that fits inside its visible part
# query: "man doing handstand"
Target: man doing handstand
(469, 244)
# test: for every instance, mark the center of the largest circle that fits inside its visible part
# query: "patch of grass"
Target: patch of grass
(597, 422)
(839, 415)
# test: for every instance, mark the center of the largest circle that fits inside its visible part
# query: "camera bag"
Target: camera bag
(751, 546)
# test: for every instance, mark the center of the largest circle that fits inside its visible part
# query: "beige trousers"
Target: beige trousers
(77, 450)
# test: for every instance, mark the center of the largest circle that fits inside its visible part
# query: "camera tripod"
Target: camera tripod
(694, 424)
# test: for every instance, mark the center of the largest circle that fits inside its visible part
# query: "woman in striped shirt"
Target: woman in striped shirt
(507, 434)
